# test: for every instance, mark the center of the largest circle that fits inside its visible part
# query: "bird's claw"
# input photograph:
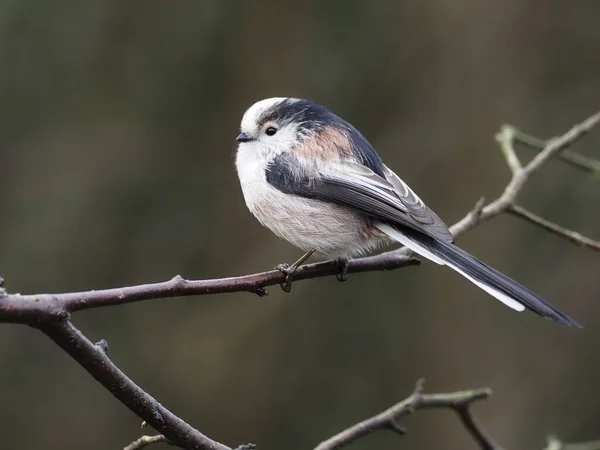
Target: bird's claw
(289, 271)
(343, 264)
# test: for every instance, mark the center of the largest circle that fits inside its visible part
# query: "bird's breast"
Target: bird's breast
(331, 229)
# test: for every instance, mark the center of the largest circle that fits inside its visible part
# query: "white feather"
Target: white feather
(416, 247)
(332, 230)
(253, 113)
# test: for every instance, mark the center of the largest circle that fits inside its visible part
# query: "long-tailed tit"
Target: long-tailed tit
(315, 181)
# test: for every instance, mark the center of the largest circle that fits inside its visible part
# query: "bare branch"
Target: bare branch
(582, 162)
(572, 236)
(557, 145)
(97, 363)
(526, 139)
(144, 441)
(572, 158)
(506, 138)
(520, 177)
(26, 308)
(477, 432)
(388, 419)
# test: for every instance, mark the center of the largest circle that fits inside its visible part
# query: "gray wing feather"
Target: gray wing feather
(387, 199)
(418, 210)
(357, 186)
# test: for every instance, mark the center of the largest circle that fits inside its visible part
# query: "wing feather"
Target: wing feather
(354, 185)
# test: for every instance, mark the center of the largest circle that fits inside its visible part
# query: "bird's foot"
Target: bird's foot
(289, 271)
(343, 264)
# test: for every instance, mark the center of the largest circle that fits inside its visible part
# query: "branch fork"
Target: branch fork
(460, 402)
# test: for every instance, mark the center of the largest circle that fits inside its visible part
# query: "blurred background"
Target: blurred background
(117, 141)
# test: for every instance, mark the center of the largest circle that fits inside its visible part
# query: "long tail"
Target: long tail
(495, 283)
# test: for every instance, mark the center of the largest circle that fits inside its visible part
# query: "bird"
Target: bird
(315, 181)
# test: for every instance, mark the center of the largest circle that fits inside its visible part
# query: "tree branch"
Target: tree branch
(505, 139)
(51, 312)
(521, 176)
(93, 359)
(460, 402)
(18, 308)
(570, 235)
(574, 159)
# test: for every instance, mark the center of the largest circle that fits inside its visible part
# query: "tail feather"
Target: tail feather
(487, 278)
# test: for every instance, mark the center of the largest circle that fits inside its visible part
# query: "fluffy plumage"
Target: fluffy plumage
(315, 181)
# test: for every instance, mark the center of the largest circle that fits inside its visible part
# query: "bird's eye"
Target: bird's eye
(270, 131)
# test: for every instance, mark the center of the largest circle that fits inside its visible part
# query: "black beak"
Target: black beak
(243, 137)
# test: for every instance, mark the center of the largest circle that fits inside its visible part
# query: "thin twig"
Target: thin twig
(582, 162)
(570, 235)
(505, 138)
(144, 441)
(514, 187)
(556, 145)
(388, 419)
(572, 158)
(530, 141)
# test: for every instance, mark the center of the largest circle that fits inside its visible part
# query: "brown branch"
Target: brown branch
(50, 312)
(93, 359)
(570, 235)
(460, 402)
(18, 308)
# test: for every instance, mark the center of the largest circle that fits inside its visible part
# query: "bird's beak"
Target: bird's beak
(243, 137)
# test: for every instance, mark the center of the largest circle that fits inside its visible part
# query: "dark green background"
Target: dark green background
(117, 128)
